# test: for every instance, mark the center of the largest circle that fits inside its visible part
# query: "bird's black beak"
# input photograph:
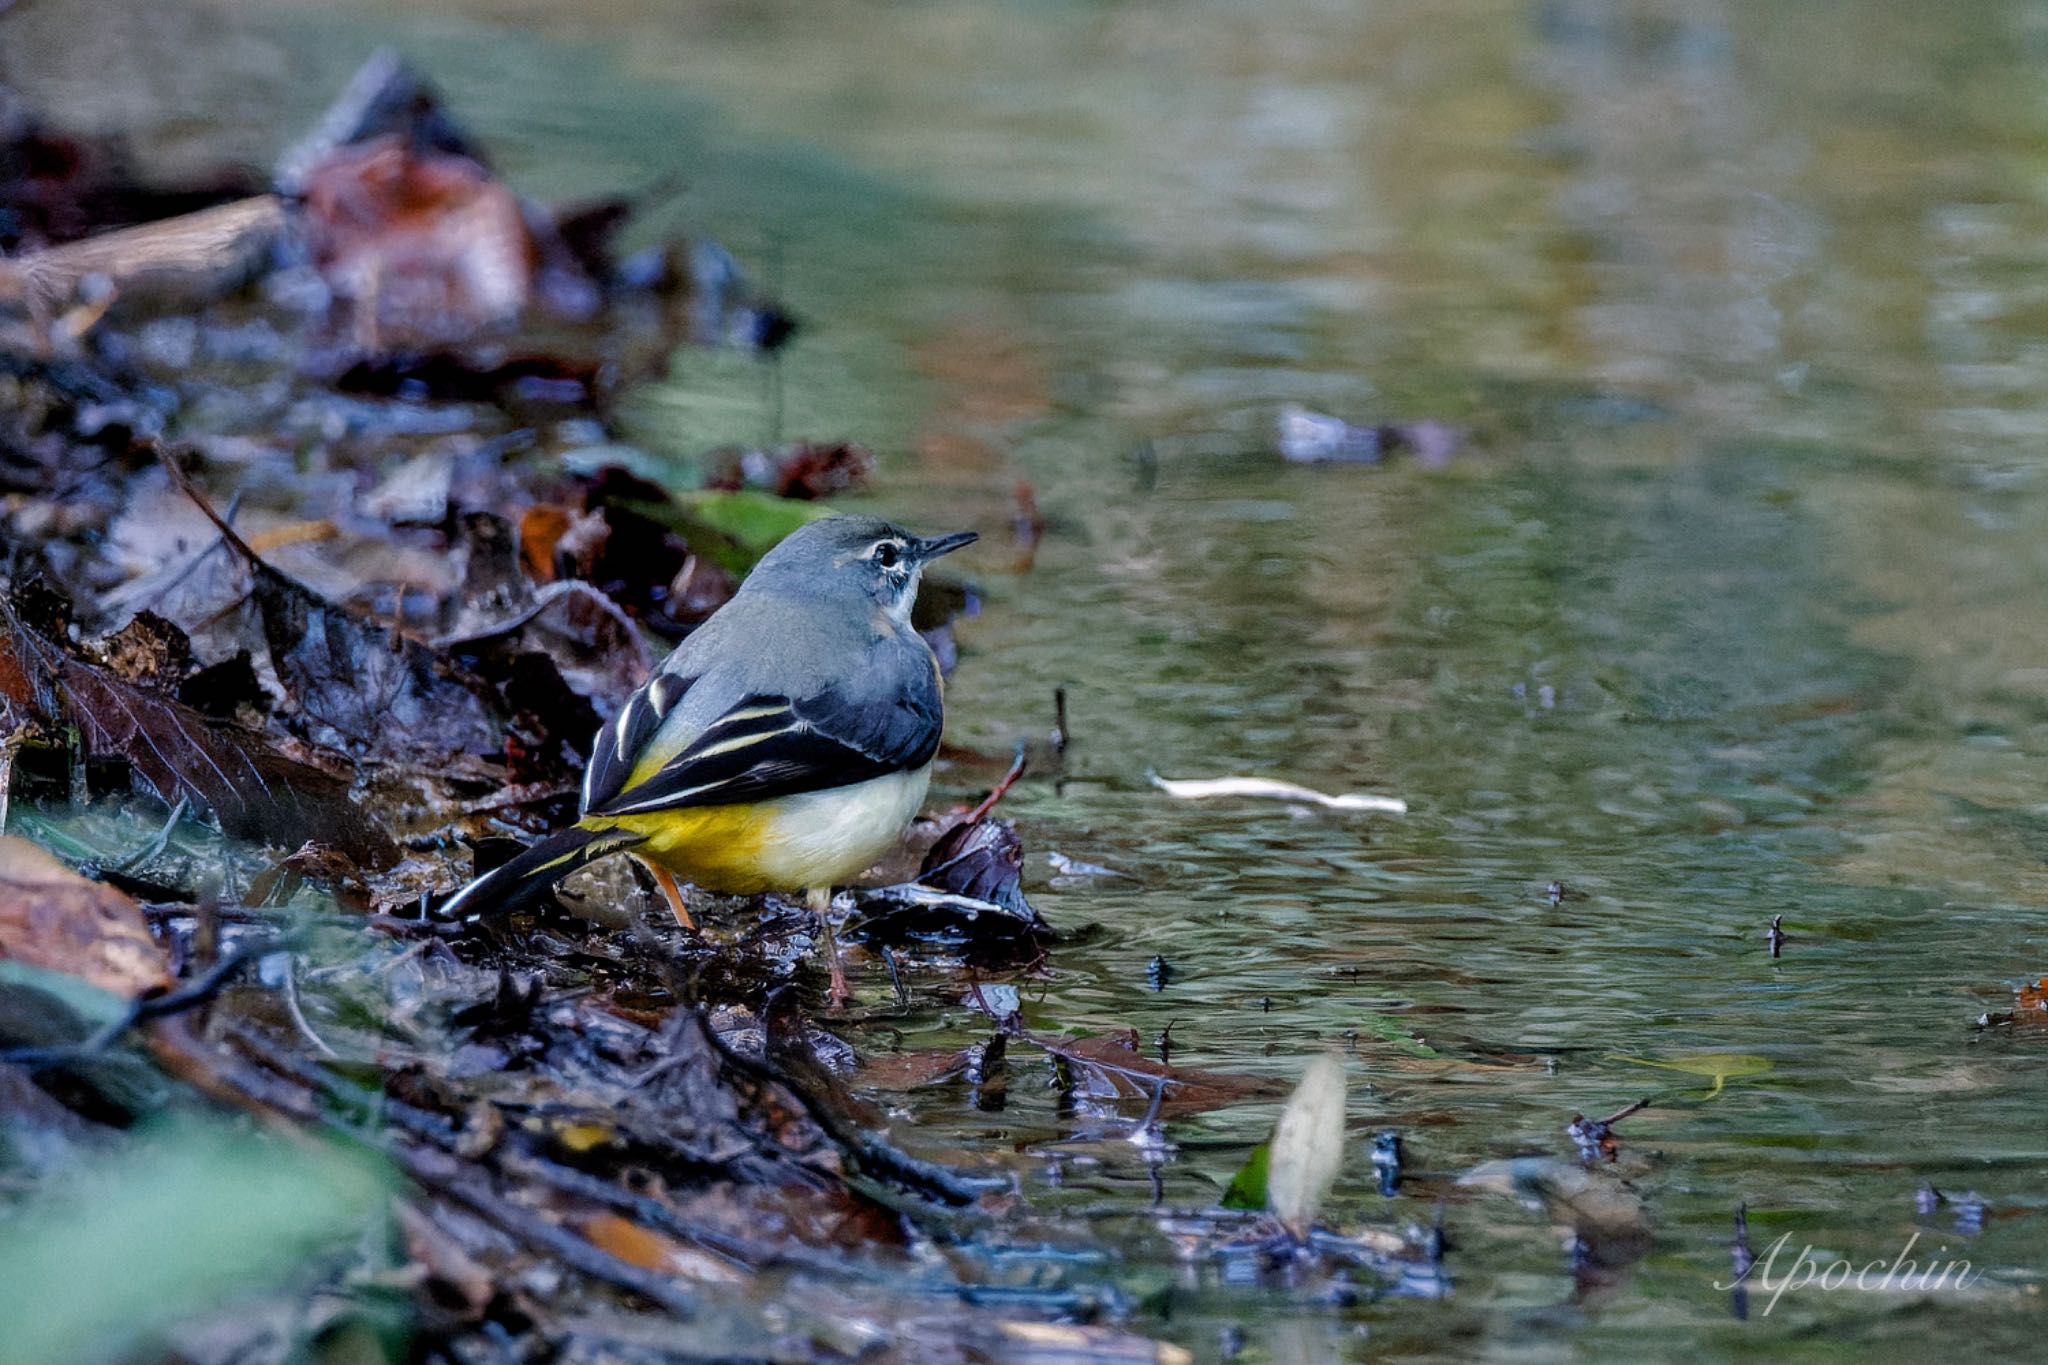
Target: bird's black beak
(945, 545)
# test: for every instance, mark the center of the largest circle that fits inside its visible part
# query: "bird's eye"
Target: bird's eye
(886, 554)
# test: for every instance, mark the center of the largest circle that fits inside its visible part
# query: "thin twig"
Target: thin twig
(291, 1004)
(8, 748)
(196, 993)
(443, 1174)
(153, 850)
(988, 803)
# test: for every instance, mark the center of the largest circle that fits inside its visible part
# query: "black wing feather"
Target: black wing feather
(619, 743)
(804, 745)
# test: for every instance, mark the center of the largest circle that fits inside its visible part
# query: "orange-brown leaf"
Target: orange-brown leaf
(52, 918)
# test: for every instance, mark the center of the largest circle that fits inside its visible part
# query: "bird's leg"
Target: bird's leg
(819, 899)
(666, 880)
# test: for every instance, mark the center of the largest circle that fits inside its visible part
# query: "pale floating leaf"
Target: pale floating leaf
(1307, 1149)
(1202, 788)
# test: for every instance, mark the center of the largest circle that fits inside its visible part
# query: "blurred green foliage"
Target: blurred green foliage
(190, 1216)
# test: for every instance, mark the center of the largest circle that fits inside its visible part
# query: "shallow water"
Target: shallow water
(1734, 607)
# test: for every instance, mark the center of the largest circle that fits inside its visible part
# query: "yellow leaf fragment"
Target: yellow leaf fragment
(1717, 1065)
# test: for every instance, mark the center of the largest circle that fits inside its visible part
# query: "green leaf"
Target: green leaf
(1248, 1187)
(1388, 1029)
(1718, 1065)
(185, 1219)
(62, 1007)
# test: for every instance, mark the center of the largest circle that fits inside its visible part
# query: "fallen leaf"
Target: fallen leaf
(1248, 1187)
(1307, 1150)
(53, 918)
(1198, 789)
(177, 752)
(914, 1069)
(541, 529)
(1388, 1029)
(355, 684)
(1110, 1067)
(805, 471)
(429, 247)
(651, 1250)
(983, 860)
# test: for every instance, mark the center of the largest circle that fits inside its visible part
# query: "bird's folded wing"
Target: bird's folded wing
(620, 744)
(765, 747)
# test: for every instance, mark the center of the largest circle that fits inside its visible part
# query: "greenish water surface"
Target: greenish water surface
(1735, 606)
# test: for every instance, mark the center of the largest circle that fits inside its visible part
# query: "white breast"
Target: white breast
(822, 838)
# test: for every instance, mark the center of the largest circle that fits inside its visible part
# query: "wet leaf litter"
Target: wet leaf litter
(409, 660)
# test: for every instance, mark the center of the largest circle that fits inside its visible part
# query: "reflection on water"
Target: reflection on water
(1735, 609)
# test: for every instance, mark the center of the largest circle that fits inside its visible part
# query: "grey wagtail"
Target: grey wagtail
(783, 746)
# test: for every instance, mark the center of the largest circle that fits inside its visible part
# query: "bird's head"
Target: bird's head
(862, 556)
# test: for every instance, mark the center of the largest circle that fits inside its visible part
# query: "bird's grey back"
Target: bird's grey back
(772, 641)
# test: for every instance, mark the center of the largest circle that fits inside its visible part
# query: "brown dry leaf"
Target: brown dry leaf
(292, 533)
(629, 1241)
(2032, 999)
(429, 247)
(541, 529)
(912, 1070)
(50, 917)
(654, 1251)
(356, 684)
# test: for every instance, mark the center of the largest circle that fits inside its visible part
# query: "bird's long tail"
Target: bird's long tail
(534, 870)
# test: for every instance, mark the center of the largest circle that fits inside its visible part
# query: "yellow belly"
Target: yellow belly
(793, 843)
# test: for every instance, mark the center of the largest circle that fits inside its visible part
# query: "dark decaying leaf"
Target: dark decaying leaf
(983, 860)
(968, 896)
(979, 931)
(1109, 1067)
(354, 683)
(856, 1127)
(176, 752)
(563, 662)
(58, 186)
